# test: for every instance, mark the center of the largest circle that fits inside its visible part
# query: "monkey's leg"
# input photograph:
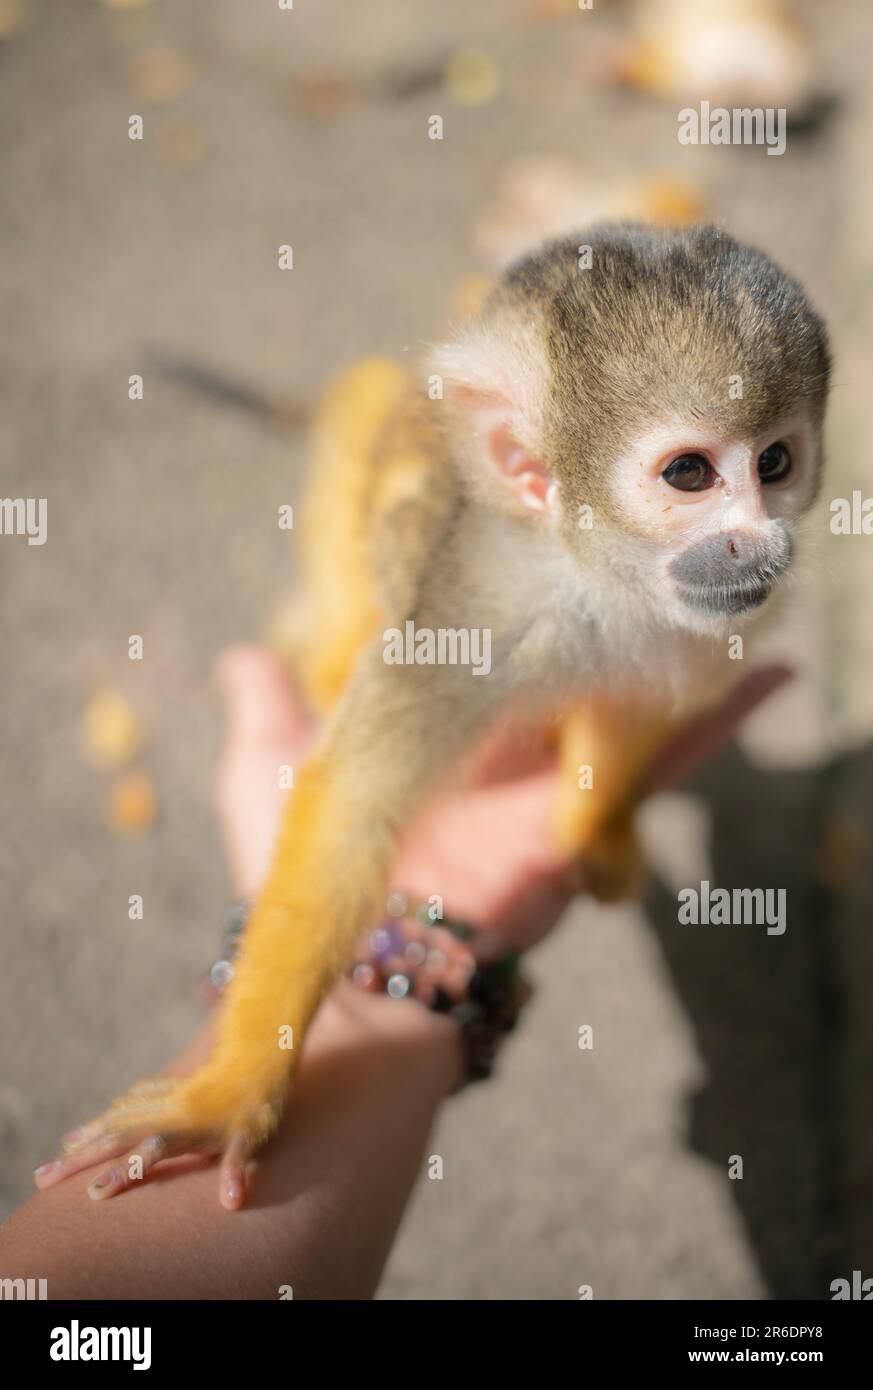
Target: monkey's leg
(395, 730)
(606, 747)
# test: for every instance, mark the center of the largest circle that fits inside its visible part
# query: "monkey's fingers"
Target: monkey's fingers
(144, 1122)
(166, 1117)
(151, 1089)
(66, 1165)
(232, 1183)
(142, 1157)
(136, 1164)
(141, 1153)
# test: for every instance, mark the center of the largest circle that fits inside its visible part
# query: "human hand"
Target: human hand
(486, 848)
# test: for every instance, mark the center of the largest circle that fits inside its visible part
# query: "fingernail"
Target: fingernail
(232, 1190)
(99, 1185)
(45, 1168)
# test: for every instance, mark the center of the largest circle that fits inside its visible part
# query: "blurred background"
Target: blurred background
(308, 127)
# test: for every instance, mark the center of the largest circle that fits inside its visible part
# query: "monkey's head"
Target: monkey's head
(656, 400)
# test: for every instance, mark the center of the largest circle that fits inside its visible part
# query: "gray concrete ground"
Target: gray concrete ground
(606, 1168)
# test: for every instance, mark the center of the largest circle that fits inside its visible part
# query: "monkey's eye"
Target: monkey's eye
(774, 464)
(690, 473)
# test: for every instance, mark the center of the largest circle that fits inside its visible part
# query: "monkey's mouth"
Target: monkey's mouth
(730, 573)
(722, 601)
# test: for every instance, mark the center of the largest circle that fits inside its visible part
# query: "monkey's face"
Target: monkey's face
(661, 409)
(715, 516)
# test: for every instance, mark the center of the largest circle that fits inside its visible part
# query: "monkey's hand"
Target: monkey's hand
(610, 860)
(218, 1110)
(318, 898)
(595, 819)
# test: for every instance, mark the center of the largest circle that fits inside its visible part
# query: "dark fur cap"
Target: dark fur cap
(660, 324)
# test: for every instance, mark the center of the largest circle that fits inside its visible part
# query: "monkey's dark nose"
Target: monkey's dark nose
(732, 571)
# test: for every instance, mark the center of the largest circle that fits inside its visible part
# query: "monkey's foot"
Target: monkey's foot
(612, 864)
(164, 1117)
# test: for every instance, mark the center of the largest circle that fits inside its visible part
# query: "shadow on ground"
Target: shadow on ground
(781, 1023)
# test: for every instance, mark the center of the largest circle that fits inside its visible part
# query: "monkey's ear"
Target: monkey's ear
(494, 396)
(527, 478)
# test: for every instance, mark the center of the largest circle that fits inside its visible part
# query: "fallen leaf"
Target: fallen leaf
(538, 198)
(473, 77)
(323, 94)
(13, 17)
(731, 52)
(131, 804)
(544, 10)
(159, 75)
(111, 730)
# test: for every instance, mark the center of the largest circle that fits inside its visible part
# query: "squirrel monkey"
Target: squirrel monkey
(601, 480)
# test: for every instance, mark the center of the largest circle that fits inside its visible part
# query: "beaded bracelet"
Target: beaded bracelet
(453, 968)
(449, 966)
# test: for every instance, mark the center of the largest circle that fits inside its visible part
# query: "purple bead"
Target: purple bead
(387, 941)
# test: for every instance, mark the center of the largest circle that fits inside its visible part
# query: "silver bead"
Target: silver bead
(398, 986)
(221, 974)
